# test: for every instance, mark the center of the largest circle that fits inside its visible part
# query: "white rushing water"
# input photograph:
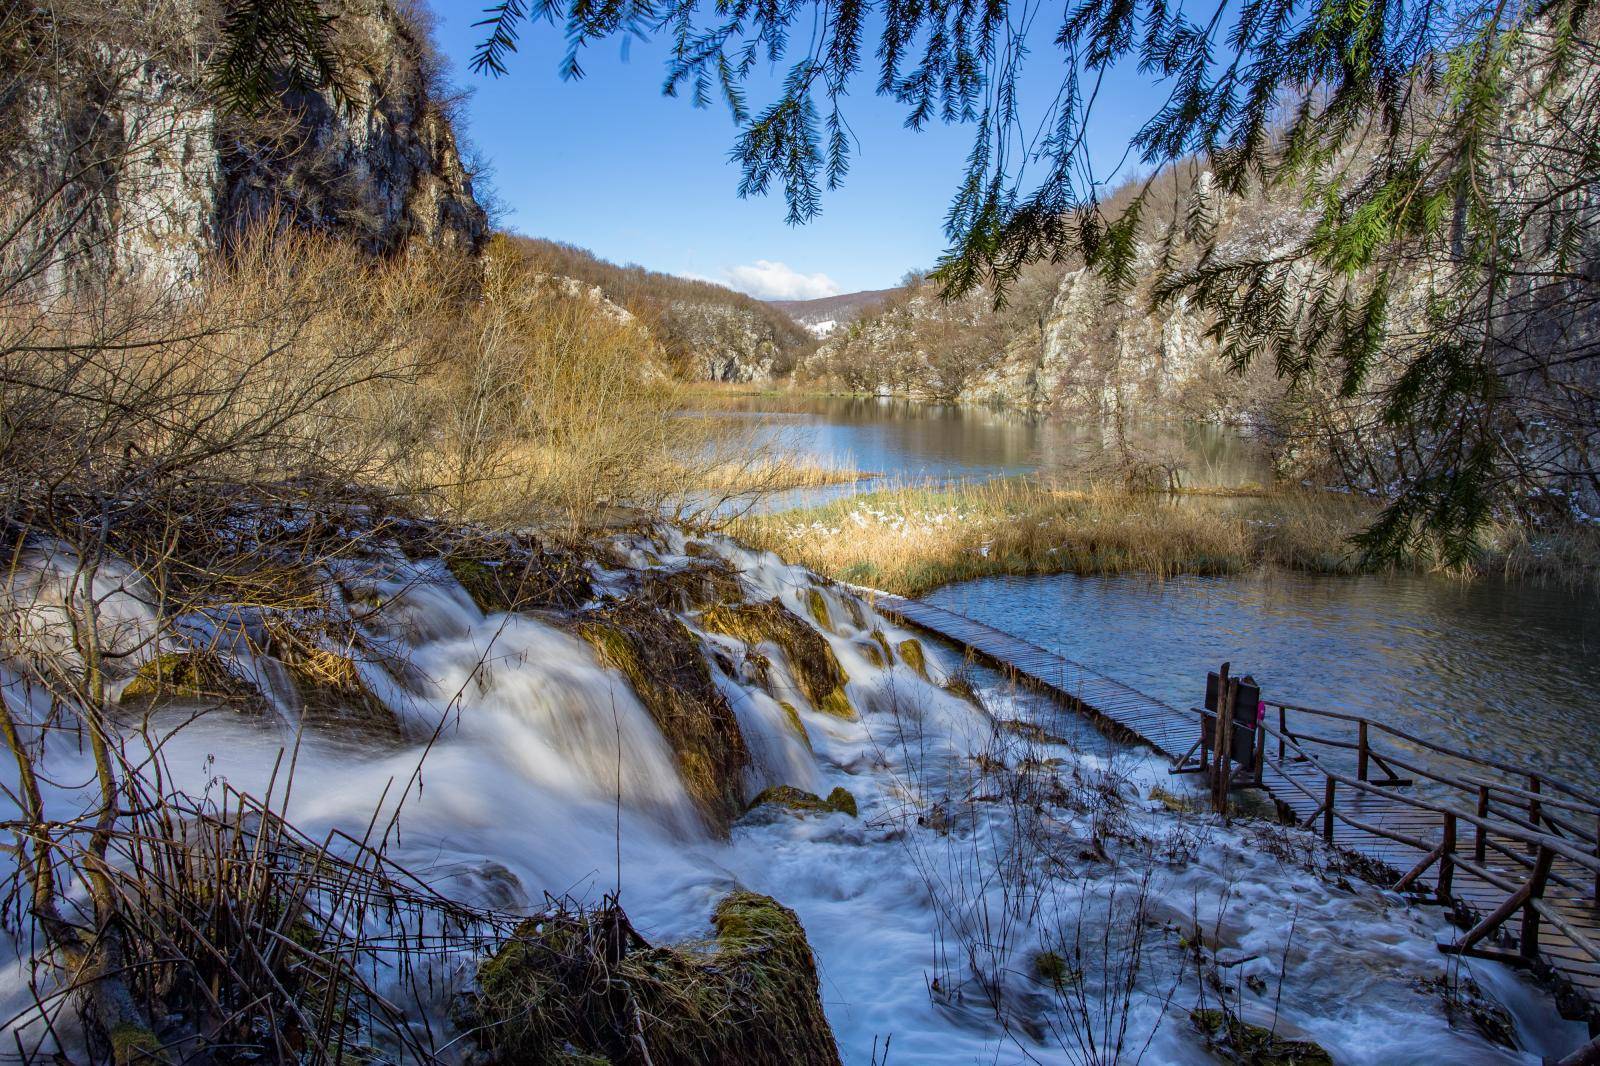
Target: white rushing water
(974, 851)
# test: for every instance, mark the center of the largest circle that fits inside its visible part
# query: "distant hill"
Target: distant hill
(824, 316)
(708, 332)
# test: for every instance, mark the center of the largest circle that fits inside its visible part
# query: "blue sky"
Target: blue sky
(610, 164)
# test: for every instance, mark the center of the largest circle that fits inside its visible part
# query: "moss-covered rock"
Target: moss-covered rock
(843, 800)
(798, 799)
(191, 677)
(815, 667)
(912, 655)
(665, 668)
(586, 988)
(1237, 1041)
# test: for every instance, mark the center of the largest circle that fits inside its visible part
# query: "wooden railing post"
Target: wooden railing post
(1327, 811)
(1447, 857)
(1534, 812)
(1479, 835)
(1530, 916)
(1283, 727)
(1227, 690)
(1361, 749)
(1261, 747)
(1597, 855)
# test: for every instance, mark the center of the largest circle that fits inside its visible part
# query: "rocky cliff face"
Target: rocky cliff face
(132, 171)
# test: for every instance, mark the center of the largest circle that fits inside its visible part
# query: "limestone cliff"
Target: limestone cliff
(123, 165)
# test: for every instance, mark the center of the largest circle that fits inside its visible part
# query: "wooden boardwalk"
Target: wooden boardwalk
(1517, 824)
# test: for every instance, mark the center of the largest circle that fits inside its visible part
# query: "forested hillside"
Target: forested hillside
(707, 332)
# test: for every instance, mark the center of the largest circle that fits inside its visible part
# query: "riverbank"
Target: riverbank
(913, 539)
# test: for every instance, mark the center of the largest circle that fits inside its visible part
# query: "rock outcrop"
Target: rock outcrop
(130, 168)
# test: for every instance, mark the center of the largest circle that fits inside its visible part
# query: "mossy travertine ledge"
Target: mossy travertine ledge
(1237, 1041)
(505, 575)
(665, 668)
(333, 694)
(586, 988)
(190, 676)
(798, 799)
(816, 669)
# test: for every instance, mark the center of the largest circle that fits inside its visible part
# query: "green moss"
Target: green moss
(665, 668)
(585, 988)
(190, 676)
(816, 669)
(798, 799)
(1049, 967)
(843, 800)
(883, 642)
(818, 606)
(1253, 1045)
(1030, 731)
(792, 716)
(1171, 800)
(911, 654)
(132, 1044)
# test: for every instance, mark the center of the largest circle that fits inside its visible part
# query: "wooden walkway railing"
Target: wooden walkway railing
(1515, 852)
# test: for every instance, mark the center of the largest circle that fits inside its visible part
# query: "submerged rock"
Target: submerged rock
(586, 988)
(816, 668)
(664, 666)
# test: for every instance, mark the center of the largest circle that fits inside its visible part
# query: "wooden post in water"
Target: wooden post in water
(1227, 690)
(1361, 749)
(1534, 812)
(1483, 812)
(1447, 857)
(1327, 811)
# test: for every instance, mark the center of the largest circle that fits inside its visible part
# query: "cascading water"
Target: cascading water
(526, 767)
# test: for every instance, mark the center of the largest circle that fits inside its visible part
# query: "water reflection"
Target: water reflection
(906, 440)
(1483, 665)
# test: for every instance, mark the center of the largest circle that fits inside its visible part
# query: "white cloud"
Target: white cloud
(767, 280)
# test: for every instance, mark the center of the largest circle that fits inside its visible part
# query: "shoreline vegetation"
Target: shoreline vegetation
(912, 539)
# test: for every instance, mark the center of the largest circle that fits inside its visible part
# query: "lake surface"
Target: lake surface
(1479, 666)
(1490, 663)
(902, 440)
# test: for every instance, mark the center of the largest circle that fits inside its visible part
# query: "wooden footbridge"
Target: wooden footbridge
(1513, 851)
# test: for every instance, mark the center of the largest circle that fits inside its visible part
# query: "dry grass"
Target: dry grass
(914, 539)
(777, 473)
(910, 540)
